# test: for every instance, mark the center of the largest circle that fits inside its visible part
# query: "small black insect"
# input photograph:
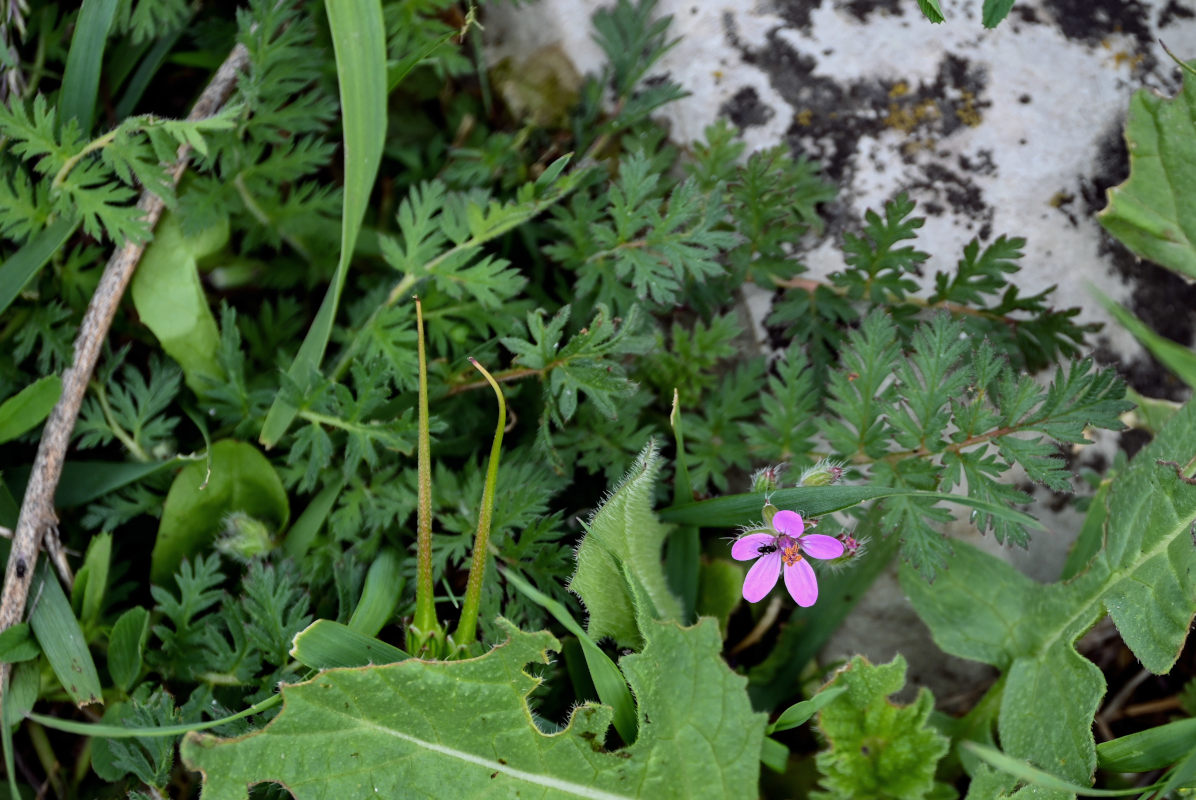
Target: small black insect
(20, 568)
(766, 549)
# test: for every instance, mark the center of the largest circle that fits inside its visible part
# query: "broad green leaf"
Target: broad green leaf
(1154, 212)
(28, 407)
(84, 481)
(81, 78)
(22, 265)
(126, 645)
(402, 730)
(17, 644)
(995, 11)
(171, 302)
(58, 633)
(91, 581)
(240, 479)
(380, 594)
(931, 10)
(359, 39)
(815, 501)
(325, 644)
(799, 713)
(877, 748)
(1144, 577)
(21, 693)
(620, 558)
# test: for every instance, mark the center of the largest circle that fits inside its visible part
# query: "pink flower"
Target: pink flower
(786, 549)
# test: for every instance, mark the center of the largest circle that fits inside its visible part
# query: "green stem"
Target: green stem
(69, 164)
(410, 279)
(257, 212)
(120, 433)
(425, 606)
(467, 628)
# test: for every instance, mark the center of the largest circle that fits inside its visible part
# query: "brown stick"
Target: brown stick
(37, 520)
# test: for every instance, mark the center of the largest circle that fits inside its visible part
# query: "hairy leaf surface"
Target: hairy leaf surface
(419, 728)
(1145, 578)
(1154, 212)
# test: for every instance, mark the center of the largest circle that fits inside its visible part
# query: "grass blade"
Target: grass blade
(84, 481)
(814, 501)
(81, 80)
(121, 732)
(358, 37)
(28, 407)
(1172, 355)
(22, 265)
(1031, 774)
(303, 533)
(608, 679)
(61, 639)
(379, 595)
(684, 549)
(325, 644)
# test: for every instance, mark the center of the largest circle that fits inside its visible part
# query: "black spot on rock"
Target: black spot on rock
(1093, 21)
(831, 116)
(745, 109)
(1111, 166)
(979, 163)
(862, 9)
(1173, 11)
(1026, 14)
(796, 12)
(1024, 99)
(955, 191)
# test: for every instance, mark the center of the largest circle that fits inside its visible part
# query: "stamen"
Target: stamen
(791, 554)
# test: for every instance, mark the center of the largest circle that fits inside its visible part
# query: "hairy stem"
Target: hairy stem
(467, 628)
(425, 604)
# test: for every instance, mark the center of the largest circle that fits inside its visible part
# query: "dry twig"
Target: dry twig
(37, 520)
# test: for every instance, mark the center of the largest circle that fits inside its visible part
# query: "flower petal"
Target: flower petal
(818, 546)
(748, 547)
(789, 523)
(801, 583)
(762, 577)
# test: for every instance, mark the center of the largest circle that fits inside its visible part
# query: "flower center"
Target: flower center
(791, 554)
